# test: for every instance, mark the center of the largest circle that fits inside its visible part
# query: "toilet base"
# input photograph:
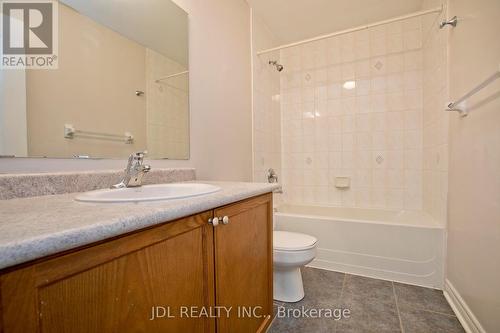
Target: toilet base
(288, 286)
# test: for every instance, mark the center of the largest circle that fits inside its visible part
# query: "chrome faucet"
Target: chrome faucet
(134, 172)
(272, 177)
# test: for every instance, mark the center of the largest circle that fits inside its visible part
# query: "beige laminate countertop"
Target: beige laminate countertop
(32, 228)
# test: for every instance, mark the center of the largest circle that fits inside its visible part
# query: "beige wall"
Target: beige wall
(266, 104)
(474, 168)
(220, 88)
(13, 135)
(220, 98)
(93, 89)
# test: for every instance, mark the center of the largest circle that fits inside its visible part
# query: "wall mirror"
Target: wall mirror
(121, 86)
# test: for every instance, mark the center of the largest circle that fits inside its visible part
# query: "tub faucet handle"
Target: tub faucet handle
(272, 177)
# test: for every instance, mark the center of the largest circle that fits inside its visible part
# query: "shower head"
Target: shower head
(275, 63)
(453, 22)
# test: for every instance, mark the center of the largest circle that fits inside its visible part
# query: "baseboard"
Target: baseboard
(462, 311)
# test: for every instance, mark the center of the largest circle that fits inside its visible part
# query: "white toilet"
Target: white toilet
(291, 251)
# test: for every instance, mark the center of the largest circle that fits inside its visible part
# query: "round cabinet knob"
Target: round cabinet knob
(225, 220)
(214, 221)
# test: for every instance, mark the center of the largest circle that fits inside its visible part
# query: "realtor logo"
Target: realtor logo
(29, 34)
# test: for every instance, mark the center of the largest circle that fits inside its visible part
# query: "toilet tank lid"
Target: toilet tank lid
(293, 241)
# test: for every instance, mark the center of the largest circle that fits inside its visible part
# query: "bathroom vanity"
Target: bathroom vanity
(210, 271)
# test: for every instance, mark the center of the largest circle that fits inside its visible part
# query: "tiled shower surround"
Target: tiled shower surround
(352, 107)
(266, 119)
(367, 105)
(435, 120)
(166, 103)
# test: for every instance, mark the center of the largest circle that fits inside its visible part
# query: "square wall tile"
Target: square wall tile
(387, 133)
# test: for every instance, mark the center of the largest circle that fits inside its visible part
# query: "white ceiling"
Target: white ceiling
(294, 20)
(160, 25)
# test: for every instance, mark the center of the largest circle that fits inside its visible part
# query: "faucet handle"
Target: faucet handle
(129, 163)
(272, 177)
(140, 154)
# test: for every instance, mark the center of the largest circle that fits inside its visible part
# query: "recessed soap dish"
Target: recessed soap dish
(342, 182)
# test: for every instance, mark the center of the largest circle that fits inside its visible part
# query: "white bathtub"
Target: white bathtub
(402, 246)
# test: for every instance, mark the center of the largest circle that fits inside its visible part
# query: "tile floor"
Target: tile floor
(376, 306)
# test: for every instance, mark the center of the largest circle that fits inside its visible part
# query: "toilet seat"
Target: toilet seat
(292, 241)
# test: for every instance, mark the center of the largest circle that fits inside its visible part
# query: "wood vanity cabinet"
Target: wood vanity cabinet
(244, 265)
(182, 267)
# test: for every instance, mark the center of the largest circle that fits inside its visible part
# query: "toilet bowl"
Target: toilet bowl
(291, 251)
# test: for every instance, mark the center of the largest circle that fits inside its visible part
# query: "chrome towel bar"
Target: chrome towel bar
(170, 76)
(70, 132)
(459, 105)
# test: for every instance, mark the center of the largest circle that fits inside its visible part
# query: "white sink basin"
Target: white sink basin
(148, 193)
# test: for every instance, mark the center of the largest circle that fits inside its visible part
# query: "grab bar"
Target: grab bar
(170, 76)
(455, 106)
(70, 131)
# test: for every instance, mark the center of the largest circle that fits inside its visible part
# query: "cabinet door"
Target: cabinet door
(113, 286)
(244, 266)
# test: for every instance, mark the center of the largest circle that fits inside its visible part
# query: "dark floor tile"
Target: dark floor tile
(370, 288)
(286, 321)
(421, 298)
(372, 305)
(278, 302)
(369, 314)
(322, 288)
(308, 325)
(420, 321)
(276, 305)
